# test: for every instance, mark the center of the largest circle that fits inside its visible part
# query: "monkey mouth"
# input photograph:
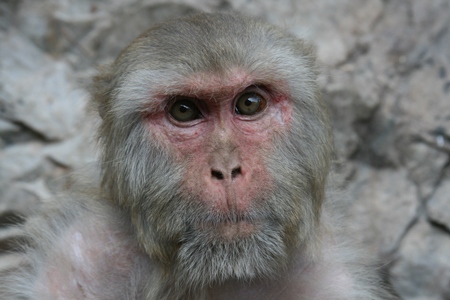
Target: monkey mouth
(236, 229)
(229, 228)
(230, 225)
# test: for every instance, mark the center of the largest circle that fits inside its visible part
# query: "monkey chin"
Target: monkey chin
(213, 253)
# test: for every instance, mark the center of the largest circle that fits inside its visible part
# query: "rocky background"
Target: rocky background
(385, 74)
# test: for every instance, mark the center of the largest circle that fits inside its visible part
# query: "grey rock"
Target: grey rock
(74, 153)
(7, 127)
(19, 160)
(438, 206)
(19, 199)
(425, 101)
(425, 166)
(378, 197)
(38, 91)
(422, 269)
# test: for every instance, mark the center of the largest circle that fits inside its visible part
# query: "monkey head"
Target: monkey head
(216, 141)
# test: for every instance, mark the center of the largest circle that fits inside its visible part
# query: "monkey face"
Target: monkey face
(220, 130)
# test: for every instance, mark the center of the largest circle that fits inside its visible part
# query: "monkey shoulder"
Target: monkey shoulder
(81, 248)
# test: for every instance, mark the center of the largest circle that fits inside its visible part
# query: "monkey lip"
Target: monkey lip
(231, 229)
(236, 229)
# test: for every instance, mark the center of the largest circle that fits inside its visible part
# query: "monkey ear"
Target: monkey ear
(101, 89)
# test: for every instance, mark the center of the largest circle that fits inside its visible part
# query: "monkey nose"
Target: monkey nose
(225, 174)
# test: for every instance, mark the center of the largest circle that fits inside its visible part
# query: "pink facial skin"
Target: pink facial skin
(223, 141)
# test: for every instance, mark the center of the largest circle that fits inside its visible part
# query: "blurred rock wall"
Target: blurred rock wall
(385, 74)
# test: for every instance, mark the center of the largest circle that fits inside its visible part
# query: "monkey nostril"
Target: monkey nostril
(217, 174)
(235, 172)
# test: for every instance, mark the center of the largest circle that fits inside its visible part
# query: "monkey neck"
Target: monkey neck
(300, 262)
(284, 286)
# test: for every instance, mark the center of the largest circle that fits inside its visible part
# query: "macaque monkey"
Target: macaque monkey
(215, 153)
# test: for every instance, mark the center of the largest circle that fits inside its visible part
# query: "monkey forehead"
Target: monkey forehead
(212, 85)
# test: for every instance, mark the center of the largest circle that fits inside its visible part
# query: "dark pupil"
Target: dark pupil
(249, 102)
(183, 108)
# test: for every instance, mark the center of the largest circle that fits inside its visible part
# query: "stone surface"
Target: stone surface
(438, 206)
(384, 204)
(422, 268)
(18, 160)
(425, 165)
(74, 152)
(37, 91)
(19, 199)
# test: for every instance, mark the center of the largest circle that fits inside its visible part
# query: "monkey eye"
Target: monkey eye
(249, 104)
(184, 111)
